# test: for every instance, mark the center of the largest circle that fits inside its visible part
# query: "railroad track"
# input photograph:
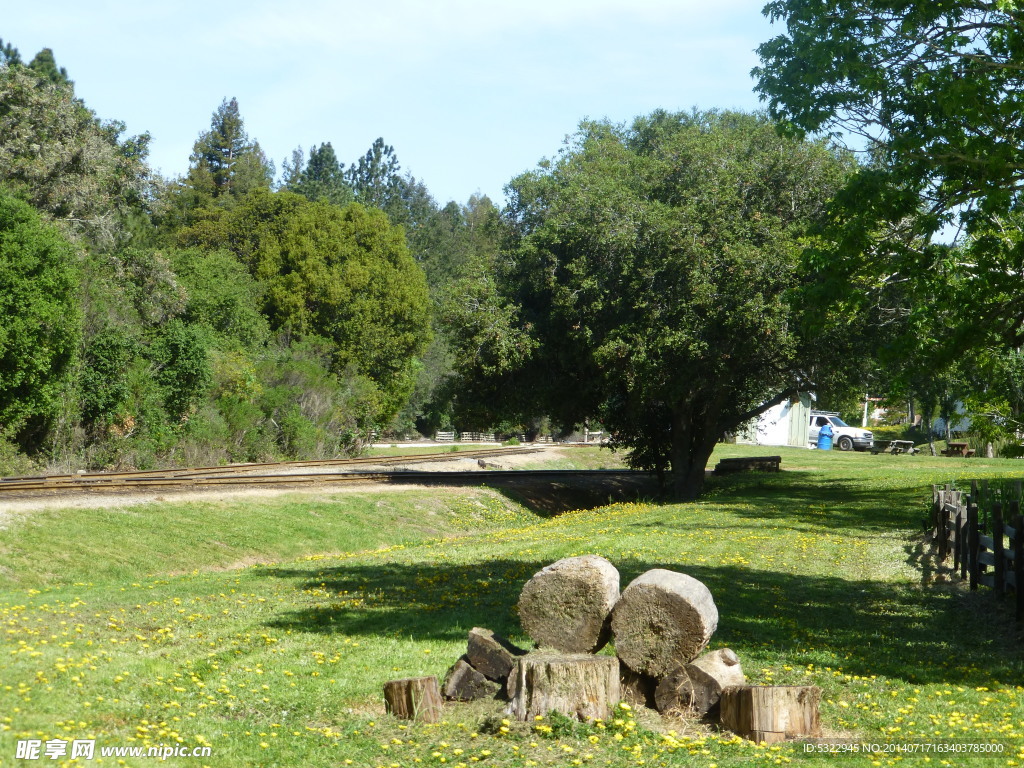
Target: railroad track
(263, 474)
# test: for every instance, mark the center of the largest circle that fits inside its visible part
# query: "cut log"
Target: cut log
(464, 683)
(576, 685)
(673, 691)
(771, 713)
(662, 621)
(566, 605)
(637, 690)
(414, 698)
(491, 654)
(697, 687)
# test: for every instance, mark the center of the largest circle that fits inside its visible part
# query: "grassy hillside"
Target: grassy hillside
(266, 629)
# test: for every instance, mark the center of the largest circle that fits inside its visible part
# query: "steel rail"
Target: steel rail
(404, 476)
(250, 467)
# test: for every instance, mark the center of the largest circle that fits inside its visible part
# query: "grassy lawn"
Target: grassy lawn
(266, 628)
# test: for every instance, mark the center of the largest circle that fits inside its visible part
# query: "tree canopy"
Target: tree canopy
(225, 162)
(656, 281)
(932, 91)
(57, 155)
(344, 274)
(39, 320)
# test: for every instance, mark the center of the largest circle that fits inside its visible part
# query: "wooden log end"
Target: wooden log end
(566, 605)
(663, 619)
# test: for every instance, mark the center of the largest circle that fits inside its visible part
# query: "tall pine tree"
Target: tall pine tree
(224, 162)
(323, 177)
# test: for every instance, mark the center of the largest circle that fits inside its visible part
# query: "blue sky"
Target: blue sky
(470, 93)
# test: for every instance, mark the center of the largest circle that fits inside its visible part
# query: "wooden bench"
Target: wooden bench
(958, 449)
(751, 464)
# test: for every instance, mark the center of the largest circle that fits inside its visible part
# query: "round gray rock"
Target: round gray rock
(566, 605)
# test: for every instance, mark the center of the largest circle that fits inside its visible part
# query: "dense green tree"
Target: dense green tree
(223, 296)
(344, 274)
(225, 166)
(9, 54)
(377, 182)
(458, 240)
(656, 275)
(933, 91)
(181, 363)
(322, 177)
(55, 154)
(104, 378)
(44, 64)
(375, 177)
(39, 321)
(458, 248)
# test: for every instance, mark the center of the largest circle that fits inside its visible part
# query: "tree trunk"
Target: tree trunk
(691, 448)
(771, 713)
(414, 698)
(577, 685)
(663, 620)
(566, 605)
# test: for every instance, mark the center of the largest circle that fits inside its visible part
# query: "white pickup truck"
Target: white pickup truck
(844, 437)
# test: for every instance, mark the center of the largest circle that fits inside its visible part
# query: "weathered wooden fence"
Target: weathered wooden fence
(977, 545)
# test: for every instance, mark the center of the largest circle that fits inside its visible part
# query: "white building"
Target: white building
(783, 424)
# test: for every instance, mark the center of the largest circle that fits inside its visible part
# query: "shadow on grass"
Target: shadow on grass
(808, 497)
(549, 494)
(921, 635)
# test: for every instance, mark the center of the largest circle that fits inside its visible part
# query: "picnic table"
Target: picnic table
(958, 449)
(894, 447)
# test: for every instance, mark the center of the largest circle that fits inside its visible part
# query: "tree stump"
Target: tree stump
(576, 685)
(662, 621)
(565, 606)
(697, 687)
(464, 683)
(491, 654)
(771, 713)
(414, 698)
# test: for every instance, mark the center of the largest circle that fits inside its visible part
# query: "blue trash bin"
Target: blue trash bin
(825, 438)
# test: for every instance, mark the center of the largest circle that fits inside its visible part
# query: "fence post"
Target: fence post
(998, 553)
(960, 542)
(949, 532)
(943, 530)
(1018, 564)
(973, 545)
